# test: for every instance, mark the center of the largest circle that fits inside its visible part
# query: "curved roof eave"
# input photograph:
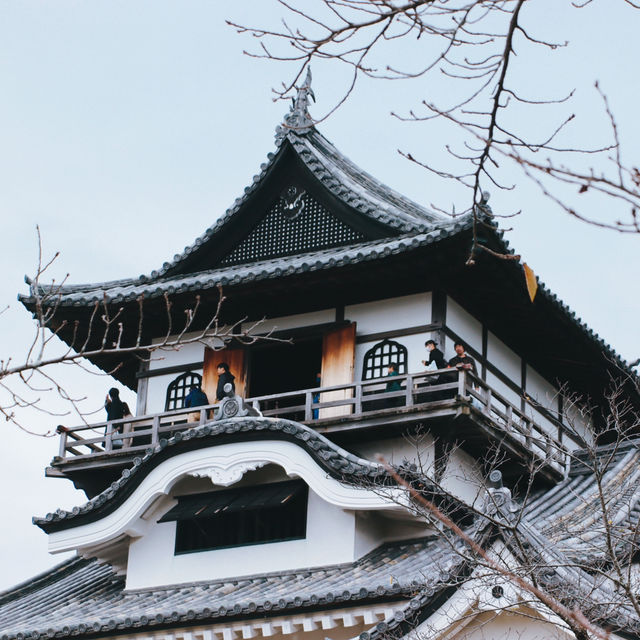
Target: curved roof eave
(333, 459)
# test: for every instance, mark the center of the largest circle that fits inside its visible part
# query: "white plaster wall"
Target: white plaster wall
(390, 313)
(396, 450)
(463, 477)
(193, 352)
(542, 391)
(547, 395)
(372, 529)
(416, 352)
(578, 418)
(464, 324)
(292, 322)
(508, 362)
(330, 540)
(157, 389)
(506, 392)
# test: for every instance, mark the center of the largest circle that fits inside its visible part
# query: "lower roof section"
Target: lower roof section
(84, 597)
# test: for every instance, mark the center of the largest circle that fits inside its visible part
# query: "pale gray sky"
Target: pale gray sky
(127, 128)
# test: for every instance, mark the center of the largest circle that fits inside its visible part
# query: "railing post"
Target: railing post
(462, 383)
(308, 410)
(488, 401)
(256, 405)
(509, 424)
(358, 405)
(108, 442)
(527, 424)
(62, 451)
(203, 416)
(155, 426)
(409, 391)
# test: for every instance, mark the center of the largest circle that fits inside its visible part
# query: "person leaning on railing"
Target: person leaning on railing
(461, 360)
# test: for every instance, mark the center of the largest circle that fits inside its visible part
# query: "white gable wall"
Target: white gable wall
(330, 540)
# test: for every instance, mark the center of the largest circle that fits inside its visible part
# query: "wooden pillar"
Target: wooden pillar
(439, 316)
(338, 358)
(142, 390)
(235, 358)
(485, 350)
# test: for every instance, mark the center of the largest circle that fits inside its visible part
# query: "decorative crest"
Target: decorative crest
(498, 503)
(298, 118)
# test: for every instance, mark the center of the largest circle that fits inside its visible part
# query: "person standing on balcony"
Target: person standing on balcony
(393, 385)
(462, 361)
(113, 405)
(115, 411)
(224, 376)
(435, 356)
(316, 397)
(195, 398)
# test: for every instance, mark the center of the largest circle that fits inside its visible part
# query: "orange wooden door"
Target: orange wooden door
(234, 357)
(338, 358)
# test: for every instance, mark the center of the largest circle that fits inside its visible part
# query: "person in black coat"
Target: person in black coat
(461, 360)
(115, 411)
(196, 398)
(435, 355)
(224, 376)
(113, 405)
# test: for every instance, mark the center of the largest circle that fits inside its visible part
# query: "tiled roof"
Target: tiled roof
(335, 460)
(570, 514)
(343, 179)
(82, 597)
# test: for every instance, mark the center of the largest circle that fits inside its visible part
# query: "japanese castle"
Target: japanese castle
(294, 508)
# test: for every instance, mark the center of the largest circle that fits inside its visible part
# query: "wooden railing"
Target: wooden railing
(320, 406)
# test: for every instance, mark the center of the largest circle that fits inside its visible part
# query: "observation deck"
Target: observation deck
(453, 405)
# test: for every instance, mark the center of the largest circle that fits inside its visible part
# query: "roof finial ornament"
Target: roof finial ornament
(298, 119)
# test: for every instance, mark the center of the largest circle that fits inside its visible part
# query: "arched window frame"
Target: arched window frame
(380, 356)
(178, 389)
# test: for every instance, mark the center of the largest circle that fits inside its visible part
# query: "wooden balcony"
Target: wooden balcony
(455, 405)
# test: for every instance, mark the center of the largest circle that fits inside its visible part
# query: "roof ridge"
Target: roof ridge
(29, 585)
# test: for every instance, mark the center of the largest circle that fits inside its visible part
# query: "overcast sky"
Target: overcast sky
(127, 128)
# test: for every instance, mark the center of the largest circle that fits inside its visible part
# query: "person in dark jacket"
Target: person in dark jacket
(115, 411)
(393, 385)
(435, 355)
(224, 376)
(195, 398)
(461, 360)
(113, 405)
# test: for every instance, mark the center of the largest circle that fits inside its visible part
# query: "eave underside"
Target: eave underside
(545, 333)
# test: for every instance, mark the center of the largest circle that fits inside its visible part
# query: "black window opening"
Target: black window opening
(283, 368)
(380, 356)
(274, 512)
(279, 368)
(179, 388)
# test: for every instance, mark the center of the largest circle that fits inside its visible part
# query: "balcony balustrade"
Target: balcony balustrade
(330, 409)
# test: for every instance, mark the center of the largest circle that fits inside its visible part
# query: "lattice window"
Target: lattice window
(295, 224)
(179, 388)
(272, 512)
(380, 356)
